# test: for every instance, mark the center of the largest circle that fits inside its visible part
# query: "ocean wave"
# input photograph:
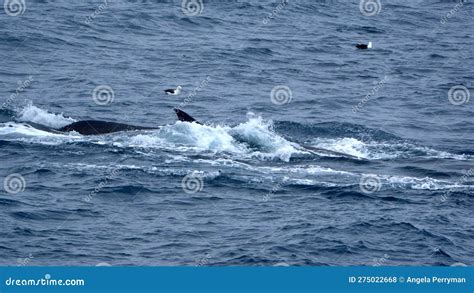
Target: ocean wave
(382, 150)
(19, 129)
(31, 113)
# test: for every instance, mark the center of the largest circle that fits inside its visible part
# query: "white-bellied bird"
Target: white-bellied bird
(174, 92)
(364, 46)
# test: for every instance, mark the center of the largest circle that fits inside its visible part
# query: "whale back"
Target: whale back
(94, 127)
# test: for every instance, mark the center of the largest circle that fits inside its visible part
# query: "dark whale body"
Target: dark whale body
(94, 127)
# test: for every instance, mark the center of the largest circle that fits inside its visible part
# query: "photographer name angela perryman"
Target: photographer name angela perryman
(437, 280)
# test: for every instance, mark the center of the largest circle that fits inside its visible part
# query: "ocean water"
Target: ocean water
(273, 83)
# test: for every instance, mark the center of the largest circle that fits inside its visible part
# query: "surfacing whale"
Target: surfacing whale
(95, 127)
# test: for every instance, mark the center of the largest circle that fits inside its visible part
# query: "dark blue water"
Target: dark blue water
(245, 188)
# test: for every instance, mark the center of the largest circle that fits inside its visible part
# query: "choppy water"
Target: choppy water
(260, 198)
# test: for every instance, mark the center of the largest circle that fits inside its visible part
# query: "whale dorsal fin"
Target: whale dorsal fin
(184, 117)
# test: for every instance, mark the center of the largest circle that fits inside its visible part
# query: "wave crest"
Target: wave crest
(31, 113)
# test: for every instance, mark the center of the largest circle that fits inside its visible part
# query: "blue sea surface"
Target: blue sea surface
(310, 152)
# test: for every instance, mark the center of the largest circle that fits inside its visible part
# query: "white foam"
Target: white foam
(34, 114)
(259, 133)
(185, 137)
(443, 154)
(26, 133)
(309, 182)
(381, 150)
(12, 128)
(425, 183)
(254, 138)
(346, 145)
(144, 140)
(200, 136)
(305, 170)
